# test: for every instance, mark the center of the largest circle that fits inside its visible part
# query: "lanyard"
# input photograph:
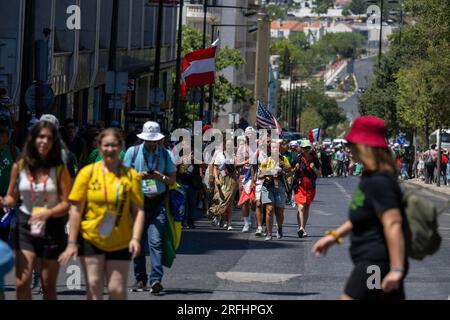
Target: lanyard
(149, 167)
(105, 187)
(33, 192)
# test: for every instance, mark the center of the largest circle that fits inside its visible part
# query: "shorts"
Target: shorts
(357, 285)
(48, 247)
(86, 249)
(273, 195)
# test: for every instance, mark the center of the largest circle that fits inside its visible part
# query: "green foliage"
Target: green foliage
(276, 12)
(326, 107)
(342, 44)
(411, 85)
(227, 57)
(322, 6)
(192, 39)
(358, 6)
(310, 119)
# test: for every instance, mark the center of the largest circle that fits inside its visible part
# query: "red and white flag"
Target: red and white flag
(314, 135)
(198, 68)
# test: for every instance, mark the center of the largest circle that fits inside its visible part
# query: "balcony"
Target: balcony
(195, 13)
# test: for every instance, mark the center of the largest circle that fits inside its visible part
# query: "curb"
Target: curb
(427, 187)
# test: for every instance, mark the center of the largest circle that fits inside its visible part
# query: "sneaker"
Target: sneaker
(138, 286)
(156, 288)
(225, 225)
(258, 232)
(268, 237)
(302, 233)
(246, 228)
(279, 233)
(215, 222)
(230, 228)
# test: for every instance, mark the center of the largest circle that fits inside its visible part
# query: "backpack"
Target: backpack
(428, 160)
(422, 235)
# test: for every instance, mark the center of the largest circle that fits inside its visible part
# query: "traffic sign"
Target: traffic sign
(156, 96)
(43, 100)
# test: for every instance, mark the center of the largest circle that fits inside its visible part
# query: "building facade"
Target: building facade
(78, 59)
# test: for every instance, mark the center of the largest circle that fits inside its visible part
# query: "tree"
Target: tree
(322, 6)
(276, 12)
(358, 6)
(310, 119)
(411, 87)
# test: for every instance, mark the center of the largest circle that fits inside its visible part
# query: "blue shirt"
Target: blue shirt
(165, 166)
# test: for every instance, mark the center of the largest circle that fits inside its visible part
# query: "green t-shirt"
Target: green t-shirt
(96, 156)
(6, 163)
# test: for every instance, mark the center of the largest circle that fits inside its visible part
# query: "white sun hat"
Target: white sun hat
(50, 118)
(151, 132)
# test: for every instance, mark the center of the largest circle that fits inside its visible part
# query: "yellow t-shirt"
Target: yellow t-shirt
(90, 186)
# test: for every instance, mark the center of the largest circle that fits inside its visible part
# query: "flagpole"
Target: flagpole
(176, 102)
(202, 101)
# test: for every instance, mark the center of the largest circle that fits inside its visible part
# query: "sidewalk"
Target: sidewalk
(443, 189)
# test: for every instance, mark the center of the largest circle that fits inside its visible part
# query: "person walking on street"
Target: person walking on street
(155, 166)
(376, 219)
(224, 181)
(305, 176)
(42, 183)
(8, 156)
(273, 191)
(444, 163)
(106, 220)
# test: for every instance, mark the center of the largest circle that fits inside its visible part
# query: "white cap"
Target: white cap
(305, 143)
(250, 130)
(293, 143)
(151, 132)
(50, 118)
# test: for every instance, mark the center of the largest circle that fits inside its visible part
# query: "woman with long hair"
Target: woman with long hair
(106, 219)
(306, 172)
(42, 182)
(376, 219)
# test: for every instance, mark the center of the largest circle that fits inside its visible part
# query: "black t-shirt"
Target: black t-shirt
(377, 192)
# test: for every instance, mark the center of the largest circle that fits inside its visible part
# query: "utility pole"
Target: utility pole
(27, 62)
(112, 51)
(176, 101)
(380, 45)
(202, 101)
(157, 68)
(262, 59)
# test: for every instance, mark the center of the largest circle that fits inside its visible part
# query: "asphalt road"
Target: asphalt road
(218, 264)
(363, 70)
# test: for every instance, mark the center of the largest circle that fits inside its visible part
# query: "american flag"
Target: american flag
(265, 119)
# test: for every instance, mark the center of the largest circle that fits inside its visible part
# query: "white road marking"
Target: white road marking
(322, 213)
(342, 189)
(245, 277)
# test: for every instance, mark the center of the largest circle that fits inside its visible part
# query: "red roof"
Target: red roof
(288, 25)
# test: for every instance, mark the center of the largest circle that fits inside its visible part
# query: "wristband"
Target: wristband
(397, 269)
(334, 234)
(72, 242)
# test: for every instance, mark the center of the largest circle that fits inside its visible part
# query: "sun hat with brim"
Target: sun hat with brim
(151, 132)
(250, 130)
(368, 130)
(305, 144)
